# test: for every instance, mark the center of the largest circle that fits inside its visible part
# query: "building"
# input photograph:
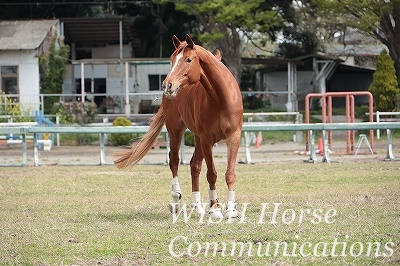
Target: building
(286, 82)
(105, 65)
(107, 68)
(21, 45)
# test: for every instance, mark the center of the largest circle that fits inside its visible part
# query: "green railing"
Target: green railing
(23, 131)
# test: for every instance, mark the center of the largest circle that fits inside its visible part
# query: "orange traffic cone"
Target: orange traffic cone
(320, 146)
(258, 139)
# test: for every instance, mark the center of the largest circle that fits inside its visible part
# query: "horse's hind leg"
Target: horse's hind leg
(215, 211)
(195, 169)
(233, 143)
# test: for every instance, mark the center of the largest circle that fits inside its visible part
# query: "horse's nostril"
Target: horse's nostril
(169, 85)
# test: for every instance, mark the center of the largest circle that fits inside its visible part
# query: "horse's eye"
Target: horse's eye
(188, 60)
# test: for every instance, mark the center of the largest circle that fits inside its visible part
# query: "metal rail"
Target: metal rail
(247, 127)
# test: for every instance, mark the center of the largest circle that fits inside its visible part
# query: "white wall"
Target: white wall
(89, 71)
(28, 75)
(112, 72)
(112, 51)
(143, 72)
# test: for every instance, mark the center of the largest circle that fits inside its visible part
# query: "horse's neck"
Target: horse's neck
(214, 78)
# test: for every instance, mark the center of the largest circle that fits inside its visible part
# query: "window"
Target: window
(9, 79)
(155, 82)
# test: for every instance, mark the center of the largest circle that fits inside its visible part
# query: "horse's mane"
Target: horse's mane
(204, 52)
(201, 51)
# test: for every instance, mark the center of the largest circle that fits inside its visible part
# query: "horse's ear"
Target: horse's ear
(189, 41)
(176, 41)
(218, 55)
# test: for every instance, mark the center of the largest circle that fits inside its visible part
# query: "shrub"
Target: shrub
(253, 102)
(384, 86)
(189, 139)
(10, 106)
(76, 112)
(118, 138)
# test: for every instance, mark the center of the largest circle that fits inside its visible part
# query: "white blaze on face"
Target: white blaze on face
(178, 57)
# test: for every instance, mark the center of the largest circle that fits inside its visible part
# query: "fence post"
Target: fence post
(102, 156)
(299, 134)
(389, 153)
(313, 156)
(325, 158)
(35, 150)
(248, 138)
(378, 132)
(58, 134)
(42, 102)
(168, 149)
(24, 157)
(105, 122)
(183, 153)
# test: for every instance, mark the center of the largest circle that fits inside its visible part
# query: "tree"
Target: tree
(52, 72)
(226, 23)
(150, 20)
(303, 31)
(44, 9)
(377, 18)
(384, 86)
(297, 42)
(155, 23)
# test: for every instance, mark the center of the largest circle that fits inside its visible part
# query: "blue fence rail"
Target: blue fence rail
(247, 127)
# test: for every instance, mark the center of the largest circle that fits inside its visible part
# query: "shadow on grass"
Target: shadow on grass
(150, 216)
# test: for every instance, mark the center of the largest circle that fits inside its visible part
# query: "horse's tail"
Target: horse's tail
(124, 159)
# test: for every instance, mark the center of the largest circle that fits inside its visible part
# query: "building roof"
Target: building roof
(106, 61)
(24, 34)
(99, 31)
(306, 63)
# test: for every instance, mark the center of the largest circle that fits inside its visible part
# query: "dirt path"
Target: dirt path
(266, 153)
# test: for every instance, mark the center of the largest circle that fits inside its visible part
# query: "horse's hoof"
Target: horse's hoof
(199, 208)
(231, 211)
(174, 207)
(216, 214)
(175, 204)
(229, 214)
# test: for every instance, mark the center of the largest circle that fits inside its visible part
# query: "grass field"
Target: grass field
(336, 214)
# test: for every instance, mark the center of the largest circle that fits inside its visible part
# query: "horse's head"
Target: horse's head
(185, 68)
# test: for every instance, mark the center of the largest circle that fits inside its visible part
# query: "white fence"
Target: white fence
(379, 119)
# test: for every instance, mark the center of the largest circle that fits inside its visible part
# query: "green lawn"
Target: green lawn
(339, 214)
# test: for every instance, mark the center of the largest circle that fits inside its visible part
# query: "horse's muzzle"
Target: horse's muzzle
(170, 90)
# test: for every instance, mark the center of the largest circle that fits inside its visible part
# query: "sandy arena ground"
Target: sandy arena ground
(266, 153)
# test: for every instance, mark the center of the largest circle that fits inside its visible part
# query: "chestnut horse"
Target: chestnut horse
(201, 94)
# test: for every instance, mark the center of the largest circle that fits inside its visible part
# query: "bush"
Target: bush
(121, 139)
(76, 112)
(253, 102)
(384, 86)
(189, 139)
(10, 106)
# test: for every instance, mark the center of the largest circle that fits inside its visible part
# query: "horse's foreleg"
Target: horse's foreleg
(233, 144)
(173, 165)
(195, 169)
